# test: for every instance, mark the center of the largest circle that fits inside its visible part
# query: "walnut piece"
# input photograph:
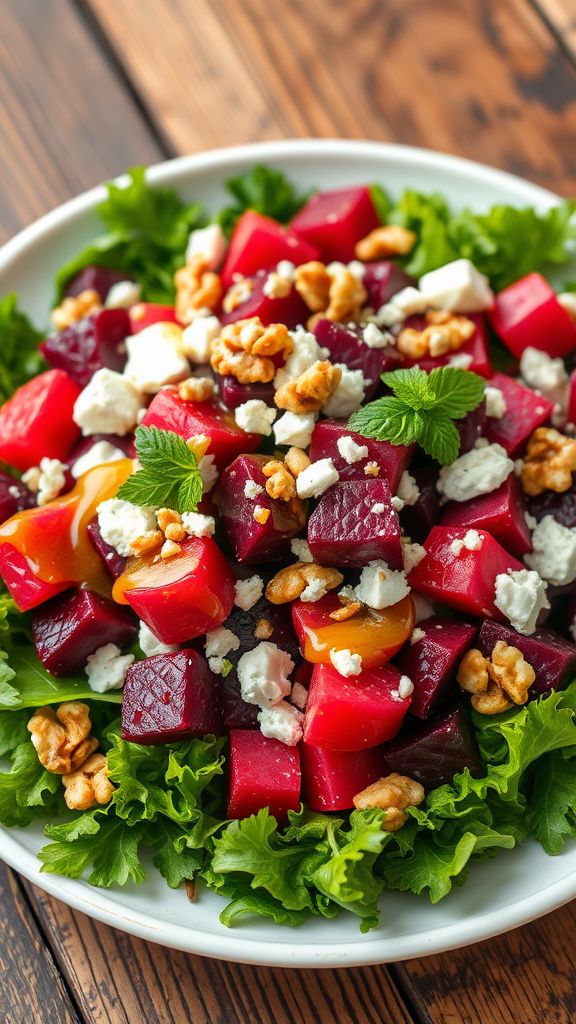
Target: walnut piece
(332, 293)
(263, 629)
(245, 349)
(297, 461)
(280, 484)
(510, 670)
(492, 702)
(62, 739)
(170, 523)
(393, 794)
(348, 609)
(197, 288)
(146, 542)
(472, 675)
(88, 785)
(549, 462)
(444, 333)
(237, 294)
(197, 389)
(497, 682)
(311, 390)
(75, 308)
(289, 583)
(388, 240)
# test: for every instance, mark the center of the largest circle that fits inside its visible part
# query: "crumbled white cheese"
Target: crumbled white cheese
(350, 451)
(198, 525)
(282, 722)
(208, 472)
(107, 667)
(299, 696)
(300, 549)
(380, 586)
(255, 417)
(219, 666)
(294, 429)
(209, 242)
(478, 471)
(121, 523)
(397, 503)
(553, 552)
(544, 374)
(285, 268)
(405, 303)
(346, 663)
(156, 358)
(348, 396)
(252, 489)
(412, 554)
(263, 674)
(408, 489)
(151, 645)
(122, 295)
(405, 687)
(316, 478)
(313, 591)
(495, 402)
(306, 352)
(197, 338)
(379, 508)
(109, 404)
(457, 286)
(422, 608)
(219, 642)
(100, 453)
(471, 541)
(373, 337)
(461, 360)
(248, 592)
(520, 595)
(47, 479)
(531, 521)
(417, 634)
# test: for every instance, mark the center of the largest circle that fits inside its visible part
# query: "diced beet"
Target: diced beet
(236, 713)
(253, 542)
(433, 752)
(144, 314)
(431, 662)
(345, 345)
(571, 407)
(262, 772)
(114, 562)
(383, 279)
(477, 347)
(14, 497)
(561, 506)
(502, 513)
(356, 712)
(391, 458)
(27, 590)
(464, 581)
(234, 394)
(98, 279)
(528, 314)
(75, 625)
(87, 346)
(417, 520)
(259, 243)
(344, 529)
(182, 597)
(332, 778)
(471, 427)
(227, 440)
(37, 420)
(552, 657)
(525, 411)
(290, 310)
(170, 697)
(335, 221)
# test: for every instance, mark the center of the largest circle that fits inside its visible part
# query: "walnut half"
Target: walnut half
(62, 740)
(393, 794)
(89, 785)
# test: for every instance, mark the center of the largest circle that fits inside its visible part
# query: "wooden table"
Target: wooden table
(90, 87)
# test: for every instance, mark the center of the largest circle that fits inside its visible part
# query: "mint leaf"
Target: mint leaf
(169, 477)
(456, 391)
(438, 437)
(265, 190)
(387, 419)
(19, 358)
(412, 386)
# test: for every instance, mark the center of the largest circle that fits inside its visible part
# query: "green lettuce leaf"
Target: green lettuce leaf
(19, 358)
(27, 790)
(94, 840)
(552, 800)
(25, 683)
(265, 190)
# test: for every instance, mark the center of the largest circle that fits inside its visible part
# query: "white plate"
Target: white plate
(514, 888)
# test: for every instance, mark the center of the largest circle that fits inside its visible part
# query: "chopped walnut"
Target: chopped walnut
(75, 308)
(393, 794)
(197, 389)
(510, 670)
(146, 542)
(348, 609)
(492, 702)
(311, 390)
(312, 282)
(237, 294)
(169, 549)
(498, 681)
(170, 523)
(389, 240)
(277, 286)
(331, 293)
(245, 350)
(444, 333)
(472, 673)
(263, 629)
(88, 785)
(297, 461)
(289, 583)
(549, 462)
(62, 740)
(197, 288)
(280, 484)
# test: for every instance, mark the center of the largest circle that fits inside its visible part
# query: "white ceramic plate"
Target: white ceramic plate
(508, 891)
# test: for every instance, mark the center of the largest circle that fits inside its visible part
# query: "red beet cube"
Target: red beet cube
(417, 520)
(87, 346)
(375, 636)
(27, 590)
(262, 773)
(290, 310)
(552, 658)
(75, 625)
(383, 279)
(227, 440)
(250, 540)
(502, 513)
(234, 394)
(433, 752)
(336, 221)
(98, 279)
(356, 712)
(391, 458)
(37, 420)
(477, 347)
(466, 580)
(528, 314)
(332, 778)
(170, 697)
(571, 409)
(345, 345)
(432, 660)
(144, 314)
(259, 243)
(525, 411)
(354, 523)
(14, 497)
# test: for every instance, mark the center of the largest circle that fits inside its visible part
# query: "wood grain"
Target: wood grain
(478, 77)
(561, 15)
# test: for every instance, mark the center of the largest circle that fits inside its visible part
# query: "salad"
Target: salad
(288, 546)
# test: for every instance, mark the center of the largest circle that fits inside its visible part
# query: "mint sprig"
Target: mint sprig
(169, 477)
(422, 409)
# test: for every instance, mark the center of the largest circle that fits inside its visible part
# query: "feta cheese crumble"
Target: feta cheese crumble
(380, 586)
(282, 722)
(306, 352)
(495, 402)
(219, 642)
(313, 591)
(156, 358)
(544, 374)
(121, 523)
(373, 337)
(208, 472)
(300, 549)
(263, 674)
(47, 479)
(520, 595)
(151, 645)
(98, 455)
(299, 696)
(350, 451)
(197, 338)
(316, 478)
(553, 552)
(294, 429)
(348, 396)
(479, 471)
(255, 417)
(379, 508)
(417, 634)
(107, 667)
(457, 286)
(405, 687)
(397, 503)
(471, 541)
(412, 554)
(209, 242)
(346, 663)
(405, 303)
(248, 592)
(408, 490)
(198, 525)
(109, 404)
(122, 295)
(252, 489)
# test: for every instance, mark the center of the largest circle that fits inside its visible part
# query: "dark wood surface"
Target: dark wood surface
(88, 88)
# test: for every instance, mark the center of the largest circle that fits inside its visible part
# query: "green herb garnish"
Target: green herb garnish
(422, 409)
(262, 189)
(169, 477)
(20, 359)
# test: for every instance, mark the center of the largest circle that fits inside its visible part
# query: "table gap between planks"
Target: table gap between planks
(91, 87)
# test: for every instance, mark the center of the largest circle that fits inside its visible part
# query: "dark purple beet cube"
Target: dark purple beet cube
(431, 662)
(290, 310)
(345, 345)
(354, 523)
(72, 626)
(14, 497)
(170, 697)
(392, 459)
(98, 279)
(552, 657)
(561, 506)
(383, 279)
(233, 393)
(114, 562)
(90, 344)
(471, 427)
(418, 519)
(433, 752)
(501, 513)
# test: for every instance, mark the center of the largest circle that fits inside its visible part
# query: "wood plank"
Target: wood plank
(119, 980)
(561, 15)
(66, 121)
(477, 77)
